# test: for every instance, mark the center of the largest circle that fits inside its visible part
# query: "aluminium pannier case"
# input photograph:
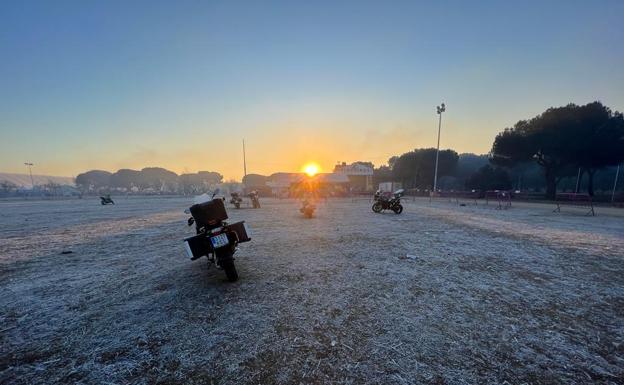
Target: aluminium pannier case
(197, 246)
(241, 230)
(209, 213)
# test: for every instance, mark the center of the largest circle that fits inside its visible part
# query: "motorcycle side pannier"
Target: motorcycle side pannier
(209, 213)
(197, 246)
(241, 230)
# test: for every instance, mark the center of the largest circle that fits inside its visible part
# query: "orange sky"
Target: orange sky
(271, 147)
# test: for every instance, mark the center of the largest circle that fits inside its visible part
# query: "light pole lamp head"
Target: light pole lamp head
(441, 108)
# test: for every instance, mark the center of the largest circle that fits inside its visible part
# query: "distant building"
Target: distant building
(390, 186)
(284, 184)
(360, 175)
(281, 182)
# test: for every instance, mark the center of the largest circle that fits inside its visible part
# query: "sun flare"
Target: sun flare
(311, 169)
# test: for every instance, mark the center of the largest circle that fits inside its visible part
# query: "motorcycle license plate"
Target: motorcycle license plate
(219, 240)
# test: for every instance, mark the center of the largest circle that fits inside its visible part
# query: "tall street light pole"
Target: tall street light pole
(29, 165)
(441, 108)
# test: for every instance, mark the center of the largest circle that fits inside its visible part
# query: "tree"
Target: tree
(125, 178)
(210, 178)
(51, 188)
(190, 184)
(416, 168)
(199, 182)
(93, 180)
(468, 164)
(157, 178)
(382, 174)
(562, 139)
(489, 178)
(530, 140)
(255, 180)
(7, 187)
(392, 161)
(598, 141)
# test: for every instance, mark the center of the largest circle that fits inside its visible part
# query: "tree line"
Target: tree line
(48, 189)
(543, 154)
(547, 152)
(148, 180)
(562, 141)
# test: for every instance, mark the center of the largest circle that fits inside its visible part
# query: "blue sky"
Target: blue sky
(178, 84)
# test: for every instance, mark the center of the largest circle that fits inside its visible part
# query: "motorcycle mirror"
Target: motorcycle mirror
(216, 191)
(187, 211)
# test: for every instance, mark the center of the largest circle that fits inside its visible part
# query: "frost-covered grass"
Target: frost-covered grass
(440, 294)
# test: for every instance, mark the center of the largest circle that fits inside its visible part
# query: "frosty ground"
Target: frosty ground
(441, 294)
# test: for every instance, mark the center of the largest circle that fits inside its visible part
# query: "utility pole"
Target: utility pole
(578, 178)
(244, 159)
(440, 109)
(29, 165)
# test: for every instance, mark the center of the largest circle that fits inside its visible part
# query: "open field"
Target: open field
(440, 294)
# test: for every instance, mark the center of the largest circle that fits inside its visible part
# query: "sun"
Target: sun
(311, 169)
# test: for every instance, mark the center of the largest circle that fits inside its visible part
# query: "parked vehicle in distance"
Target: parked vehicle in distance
(307, 209)
(236, 199)
(106, 200)
(255, 201)
(384, 202)
(216, 239)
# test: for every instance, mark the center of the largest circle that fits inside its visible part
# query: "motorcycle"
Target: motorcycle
(307, 209)
(383, 202)
(216, 239)
(236, 200)
(255, 201)
(106, 200)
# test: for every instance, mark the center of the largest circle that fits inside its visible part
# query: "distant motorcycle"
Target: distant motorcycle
(255, 201)
(236, 200)
(383, 202)
(106, 200)
(215, 239)
(307, 209)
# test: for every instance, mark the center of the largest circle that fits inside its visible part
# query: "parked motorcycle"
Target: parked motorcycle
(383, 202)
(307, 209)
(236, 199)
(106, 200)
(216, 239)
(255, 201)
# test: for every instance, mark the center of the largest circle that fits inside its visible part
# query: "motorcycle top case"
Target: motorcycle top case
(209, 213)
(197, 246)
(241, 230)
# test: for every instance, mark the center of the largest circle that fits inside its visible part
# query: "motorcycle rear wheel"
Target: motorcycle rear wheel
(230, 269)
(377, 207)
